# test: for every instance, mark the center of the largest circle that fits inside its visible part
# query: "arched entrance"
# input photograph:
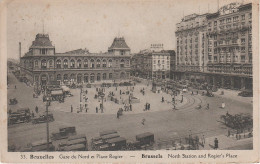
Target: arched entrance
(79, 78)
(122, 75)
(44, 79)
(92, 78)
(85, 78)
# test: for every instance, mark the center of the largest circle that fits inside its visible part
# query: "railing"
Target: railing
(57, 69)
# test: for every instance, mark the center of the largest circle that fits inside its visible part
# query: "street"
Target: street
(166, 124)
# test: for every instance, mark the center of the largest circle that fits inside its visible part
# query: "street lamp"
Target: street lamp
(48, 101)
(102, 95)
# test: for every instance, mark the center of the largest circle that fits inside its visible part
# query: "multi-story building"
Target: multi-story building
(190, 47)
(229, 37)
(222, 51)
(150, 64)
(42, 64)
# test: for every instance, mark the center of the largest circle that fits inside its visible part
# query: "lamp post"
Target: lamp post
(47, 121)
(102, 95)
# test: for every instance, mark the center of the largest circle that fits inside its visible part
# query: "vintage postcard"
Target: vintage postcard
(129, 81)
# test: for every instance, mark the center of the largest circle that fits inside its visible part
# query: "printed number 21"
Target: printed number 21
(23, 157)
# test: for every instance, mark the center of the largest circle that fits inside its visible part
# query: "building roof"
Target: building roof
(42, 40)
(119, 43)
(78, 51)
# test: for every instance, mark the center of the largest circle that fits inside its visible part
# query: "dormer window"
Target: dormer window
(43, 51)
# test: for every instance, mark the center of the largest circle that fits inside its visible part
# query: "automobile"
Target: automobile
(41, 145)
(106, 132)
(117, 143)
(246, 94)
(13, 101)
(43, 119)
(22, 115)
(63, 133)
(145, 138)
(209, 93)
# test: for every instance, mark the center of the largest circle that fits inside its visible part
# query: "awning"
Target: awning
(57, 92)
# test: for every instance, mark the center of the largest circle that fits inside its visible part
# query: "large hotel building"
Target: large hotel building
(216, 47)
(42, 64)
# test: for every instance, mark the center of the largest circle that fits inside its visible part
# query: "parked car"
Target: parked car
(43, 119)
(63, 133)
(246, 94)
(21, 116)
(13, 101)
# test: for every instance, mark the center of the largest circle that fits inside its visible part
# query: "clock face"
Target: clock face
(230, 8)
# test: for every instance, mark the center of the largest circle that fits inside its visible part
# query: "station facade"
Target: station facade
(42, 64)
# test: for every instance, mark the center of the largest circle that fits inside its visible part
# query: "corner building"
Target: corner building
(229, 38)
(216, 47)
(42, 64)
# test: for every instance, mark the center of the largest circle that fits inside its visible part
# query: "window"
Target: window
(215, 51)
(209, 24)
(243, 58)
(85, 63)
(122, 63)
(104, 76)
(243, 40)
(58, 77)
(58, 63)
(243, 17)
(35, 63)
(110, 63)
(235, 18)
(98, 63)
(44, 64)
(65, 63)
(104, 63)
(228, 20)
(50, 63)
(110, 76)
(215, 58)
(98, 77)
(92, 63)
(43, 51)
(215, 44)
(243, 49)
(215, 23)
(72, 63)
(79, 63)
(243, 34)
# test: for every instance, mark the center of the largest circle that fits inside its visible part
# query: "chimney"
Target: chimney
(20, 53)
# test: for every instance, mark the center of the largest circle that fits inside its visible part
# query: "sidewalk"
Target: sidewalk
(225, 142)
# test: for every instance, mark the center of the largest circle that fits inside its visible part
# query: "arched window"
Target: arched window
(35, 63)
(79, 63)
(110, 63)
(98, 77)
(122, 63)
(43, 64)
(73, 77)
(98, 63)
(110, 76)
(65, 77)
(104, 63)
(92, 63)
(92, 77)
(65, 63)
(58, 77)
(50, 63)
(86, 63)
(58, 63)
(72, 63)
(104, 76)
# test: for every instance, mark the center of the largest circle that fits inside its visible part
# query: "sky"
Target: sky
(94, 24)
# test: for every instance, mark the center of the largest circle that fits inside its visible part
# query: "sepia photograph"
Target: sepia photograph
(120, 76)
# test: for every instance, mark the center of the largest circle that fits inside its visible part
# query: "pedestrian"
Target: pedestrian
(223, 105)
(162, 99)
(203, 140)
(207, 106)
(117, 114)
(149, 107)
(216, 143)
(36, 109)
(32, 115)
(130, 107)
(71, 109)
(143, 120)
(120, 92)
(15, 87)
(96, 109)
